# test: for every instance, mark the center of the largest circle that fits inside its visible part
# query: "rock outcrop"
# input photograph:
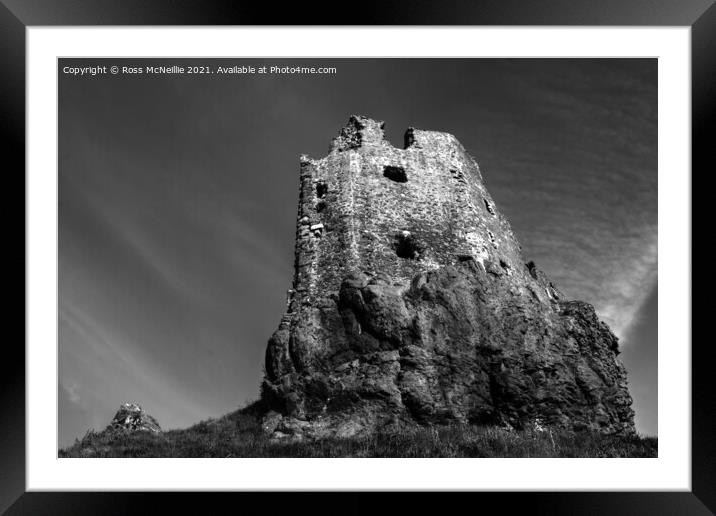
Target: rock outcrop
(412, 304)
(131, 418)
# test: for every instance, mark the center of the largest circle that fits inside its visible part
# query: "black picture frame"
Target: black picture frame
(17, 15)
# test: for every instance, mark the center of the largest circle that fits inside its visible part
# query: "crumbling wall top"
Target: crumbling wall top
(360, 131)
(436, 140)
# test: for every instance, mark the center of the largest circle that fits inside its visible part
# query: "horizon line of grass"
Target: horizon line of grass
(239, 434)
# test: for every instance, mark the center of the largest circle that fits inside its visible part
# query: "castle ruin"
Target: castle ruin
(412, 303)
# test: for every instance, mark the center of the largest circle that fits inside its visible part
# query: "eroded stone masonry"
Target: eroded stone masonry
(412, 304)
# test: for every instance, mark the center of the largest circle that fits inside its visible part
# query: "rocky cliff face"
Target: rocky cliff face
(412, 304)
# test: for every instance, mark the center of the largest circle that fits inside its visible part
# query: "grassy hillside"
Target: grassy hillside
(239, 435)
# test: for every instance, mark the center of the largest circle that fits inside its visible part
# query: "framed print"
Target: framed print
(418, 252)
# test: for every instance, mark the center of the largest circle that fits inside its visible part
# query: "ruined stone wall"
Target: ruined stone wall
(368, 207)
(371, 207)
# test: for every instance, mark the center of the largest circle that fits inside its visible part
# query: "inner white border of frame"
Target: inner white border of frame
(670, 471)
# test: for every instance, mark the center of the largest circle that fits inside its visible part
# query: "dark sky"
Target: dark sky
(178, 196)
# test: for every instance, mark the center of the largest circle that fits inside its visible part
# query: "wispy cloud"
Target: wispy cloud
(622, 296)
(72, 393)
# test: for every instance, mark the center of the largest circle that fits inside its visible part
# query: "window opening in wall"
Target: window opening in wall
(489, 206)
(407, 246)
(321, 189)
(532, 268)
(396, 174)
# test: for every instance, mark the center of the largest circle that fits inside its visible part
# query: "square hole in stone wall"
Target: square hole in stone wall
(396, 174)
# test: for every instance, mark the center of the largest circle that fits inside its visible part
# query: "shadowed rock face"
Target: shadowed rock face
(412, 304)
(130, 417)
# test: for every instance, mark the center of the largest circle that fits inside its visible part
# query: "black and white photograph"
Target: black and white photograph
(366, 257)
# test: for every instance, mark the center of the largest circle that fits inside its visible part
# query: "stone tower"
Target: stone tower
(411, 303)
